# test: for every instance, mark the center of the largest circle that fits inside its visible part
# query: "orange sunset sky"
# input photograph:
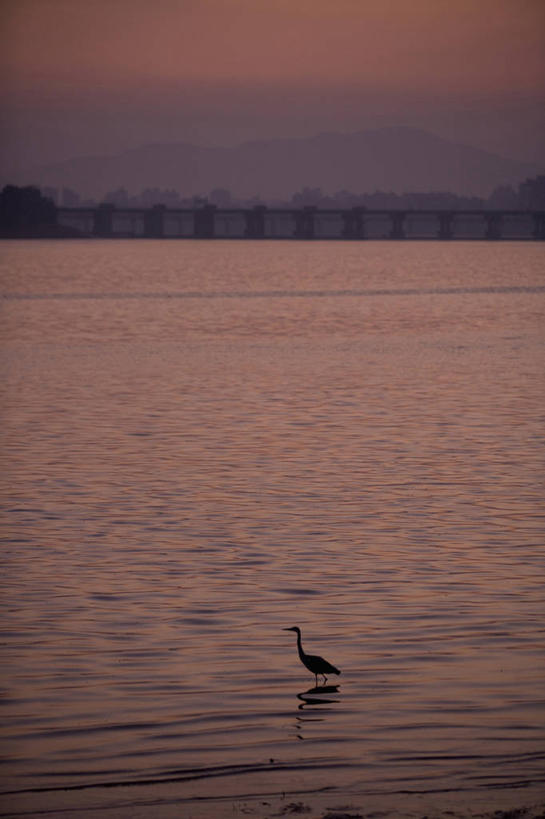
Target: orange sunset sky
(99, 76)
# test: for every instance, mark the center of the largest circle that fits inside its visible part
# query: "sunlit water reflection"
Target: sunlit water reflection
(204, 443)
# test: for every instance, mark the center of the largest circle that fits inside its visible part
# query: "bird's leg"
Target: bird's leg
(325, 678)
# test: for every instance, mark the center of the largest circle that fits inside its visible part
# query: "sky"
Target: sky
(84, 77)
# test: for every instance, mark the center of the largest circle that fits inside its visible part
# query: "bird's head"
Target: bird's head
(293, 628)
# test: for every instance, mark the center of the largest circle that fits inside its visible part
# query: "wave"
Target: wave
(280, 294)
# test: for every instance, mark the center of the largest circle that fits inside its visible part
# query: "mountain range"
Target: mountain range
(398, 159)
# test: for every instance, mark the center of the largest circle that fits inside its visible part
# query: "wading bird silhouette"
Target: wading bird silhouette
(316, 665)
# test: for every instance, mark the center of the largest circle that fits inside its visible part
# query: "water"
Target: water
(206, 442)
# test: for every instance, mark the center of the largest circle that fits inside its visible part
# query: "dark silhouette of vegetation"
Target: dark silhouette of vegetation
(25, 213)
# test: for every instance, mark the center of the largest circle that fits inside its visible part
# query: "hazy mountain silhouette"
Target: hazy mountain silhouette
(398, 159)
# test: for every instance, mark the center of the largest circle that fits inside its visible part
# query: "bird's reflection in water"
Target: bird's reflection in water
(311, 706)
(314, 695)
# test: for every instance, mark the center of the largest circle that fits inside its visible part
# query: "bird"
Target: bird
(316, 665)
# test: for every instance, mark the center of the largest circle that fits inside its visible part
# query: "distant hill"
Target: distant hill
(397, 159)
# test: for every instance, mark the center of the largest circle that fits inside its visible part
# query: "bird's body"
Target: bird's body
(316, 665)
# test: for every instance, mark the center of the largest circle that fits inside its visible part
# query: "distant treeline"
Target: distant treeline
(27, 211)
(530, 195)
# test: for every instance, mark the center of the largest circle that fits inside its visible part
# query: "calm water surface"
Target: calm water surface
(204, 443)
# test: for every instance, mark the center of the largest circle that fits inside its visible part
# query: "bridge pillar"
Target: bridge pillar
(539, 225)
(255, 222)
(398, 220)
(103, 220)
(353, 227)
(304, 223)
(153, 222)
(204, 222)
(493, 225)
(445, 225)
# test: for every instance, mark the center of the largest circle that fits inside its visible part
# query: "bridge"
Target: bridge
(210, 222)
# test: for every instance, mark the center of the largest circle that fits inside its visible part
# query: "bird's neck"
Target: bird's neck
(299, 646)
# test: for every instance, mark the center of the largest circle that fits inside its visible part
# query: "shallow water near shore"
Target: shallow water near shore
(207, 442)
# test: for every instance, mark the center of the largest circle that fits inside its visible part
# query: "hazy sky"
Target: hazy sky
(97, 76)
